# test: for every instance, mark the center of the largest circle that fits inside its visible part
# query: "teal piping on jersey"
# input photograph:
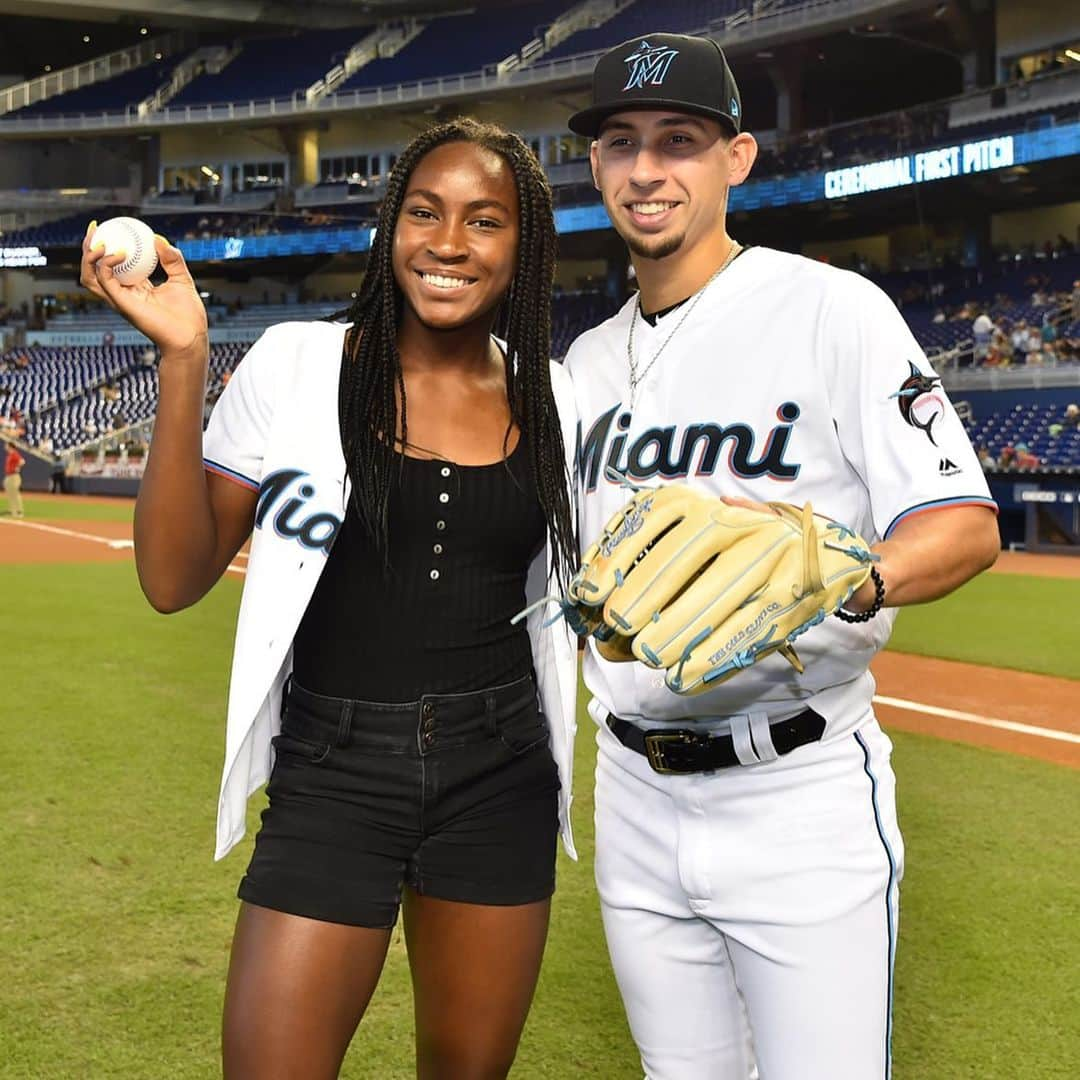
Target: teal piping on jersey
(230, 474)
(890, 920)
(940, 504)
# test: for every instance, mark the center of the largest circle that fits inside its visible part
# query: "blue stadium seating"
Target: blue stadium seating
(642, 17)
(273, 67)
(1028, 424)
(60, 392)
(457, 44)
(109, 95)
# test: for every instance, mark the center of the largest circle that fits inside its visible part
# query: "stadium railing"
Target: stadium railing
(768, 26)
(100, 69)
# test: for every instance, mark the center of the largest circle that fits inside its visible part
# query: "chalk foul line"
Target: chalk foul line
(974, 718)
(115, 544)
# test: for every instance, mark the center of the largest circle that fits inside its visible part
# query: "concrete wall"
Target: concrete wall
(1033, 24)
(1017, 228)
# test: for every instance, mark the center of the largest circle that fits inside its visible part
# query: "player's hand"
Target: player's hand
(171, 315)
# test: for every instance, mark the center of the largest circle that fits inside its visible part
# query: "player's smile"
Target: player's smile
(455, 243)
(441, 281)
(651, 215)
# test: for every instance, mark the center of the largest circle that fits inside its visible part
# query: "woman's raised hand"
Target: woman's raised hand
(171, 315)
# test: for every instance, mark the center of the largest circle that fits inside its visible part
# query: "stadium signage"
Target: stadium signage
(940, 164)
(1036, 496)
(22, 256)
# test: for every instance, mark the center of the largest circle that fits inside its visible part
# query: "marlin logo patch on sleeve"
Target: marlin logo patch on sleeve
(919, 405)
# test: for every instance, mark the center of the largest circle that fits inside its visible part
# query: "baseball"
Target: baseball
(136, 240)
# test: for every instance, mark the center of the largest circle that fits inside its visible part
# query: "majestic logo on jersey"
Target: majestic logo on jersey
(668, 453)
(316, 531)
(649, 64)
(919, 405)
(948, 468)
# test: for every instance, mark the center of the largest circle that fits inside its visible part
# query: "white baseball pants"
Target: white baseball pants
(762, 895)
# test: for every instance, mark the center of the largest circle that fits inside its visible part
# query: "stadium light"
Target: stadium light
(1072, 54)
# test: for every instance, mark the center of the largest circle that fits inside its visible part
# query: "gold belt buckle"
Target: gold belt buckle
(654, 748)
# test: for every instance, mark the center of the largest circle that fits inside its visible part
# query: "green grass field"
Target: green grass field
(46, 510)
(115, 922)
(1003, 620)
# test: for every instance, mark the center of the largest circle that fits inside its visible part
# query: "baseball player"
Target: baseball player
(748, 854)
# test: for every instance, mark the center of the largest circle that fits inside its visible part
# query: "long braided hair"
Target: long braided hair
(371, 369)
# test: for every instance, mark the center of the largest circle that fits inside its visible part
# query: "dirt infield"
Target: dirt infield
(1020, 562)
(1034, 715)
(64, 541)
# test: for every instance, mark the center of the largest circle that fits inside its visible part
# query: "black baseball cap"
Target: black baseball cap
(666, 72)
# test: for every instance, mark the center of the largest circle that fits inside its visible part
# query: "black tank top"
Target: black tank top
(438, 620)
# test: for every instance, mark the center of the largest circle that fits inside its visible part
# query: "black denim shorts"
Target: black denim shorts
(455, 795)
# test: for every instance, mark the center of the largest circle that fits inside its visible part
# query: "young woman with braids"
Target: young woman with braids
(404, 479)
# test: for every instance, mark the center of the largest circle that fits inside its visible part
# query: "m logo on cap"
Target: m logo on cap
(649, 65)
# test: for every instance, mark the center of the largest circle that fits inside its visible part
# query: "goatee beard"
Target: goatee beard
(660, 250)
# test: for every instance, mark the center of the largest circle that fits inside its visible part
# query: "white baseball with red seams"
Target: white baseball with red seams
(136, 240)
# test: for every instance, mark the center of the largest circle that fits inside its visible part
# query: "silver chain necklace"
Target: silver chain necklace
(637, 377)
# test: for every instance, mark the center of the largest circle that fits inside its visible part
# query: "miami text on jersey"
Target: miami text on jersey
(316, 531)
(671, 454)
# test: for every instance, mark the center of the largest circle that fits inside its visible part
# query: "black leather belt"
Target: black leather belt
(678, 750)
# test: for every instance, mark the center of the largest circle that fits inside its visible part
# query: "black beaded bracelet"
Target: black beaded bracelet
(873, 609)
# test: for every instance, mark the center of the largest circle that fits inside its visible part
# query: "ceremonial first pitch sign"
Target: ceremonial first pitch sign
(941, 164)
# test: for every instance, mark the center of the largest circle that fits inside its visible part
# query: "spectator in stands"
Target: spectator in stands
(1007, 457)
(1076, 301)
(1072, 415)
(1034, 345)
(456, 459)
(13, 463)
(986, 459)
(1025, 459)
(1000, 348)
(982, 330)
(1019, 340)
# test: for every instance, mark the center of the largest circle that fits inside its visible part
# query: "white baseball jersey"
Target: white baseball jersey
(275, 430)
(788, 380)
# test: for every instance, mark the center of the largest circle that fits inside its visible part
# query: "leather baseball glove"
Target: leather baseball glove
(702, 589)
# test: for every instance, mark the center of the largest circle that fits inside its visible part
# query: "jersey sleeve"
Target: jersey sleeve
(896, 425)
(236, 436)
